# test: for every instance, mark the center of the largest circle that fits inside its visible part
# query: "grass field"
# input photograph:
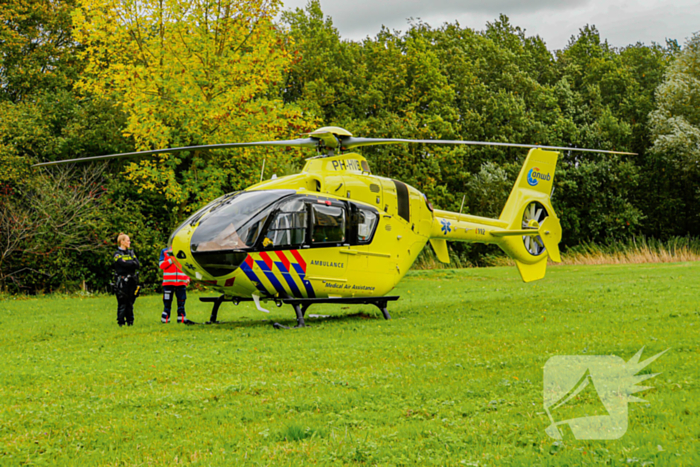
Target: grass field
(455, 378)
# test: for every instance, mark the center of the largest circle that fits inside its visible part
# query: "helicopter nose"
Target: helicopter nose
(180, 245)
(208, 265)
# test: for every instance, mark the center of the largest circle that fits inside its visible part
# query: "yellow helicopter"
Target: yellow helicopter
(335, 233)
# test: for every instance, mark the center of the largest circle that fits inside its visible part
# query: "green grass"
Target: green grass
(455, 378)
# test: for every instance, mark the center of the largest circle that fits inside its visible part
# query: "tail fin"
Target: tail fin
(535, 180)
(529, 206)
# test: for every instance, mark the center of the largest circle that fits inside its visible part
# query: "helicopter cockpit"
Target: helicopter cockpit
(236, 222)
(266, 220)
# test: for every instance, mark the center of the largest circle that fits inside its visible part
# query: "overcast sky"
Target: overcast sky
(621, 22)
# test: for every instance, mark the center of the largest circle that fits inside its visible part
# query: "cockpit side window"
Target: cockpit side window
(366, 223)
(328, 224)
(363, 223)
(288, 227)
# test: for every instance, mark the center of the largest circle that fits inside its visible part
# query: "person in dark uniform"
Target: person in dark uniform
(126, 285)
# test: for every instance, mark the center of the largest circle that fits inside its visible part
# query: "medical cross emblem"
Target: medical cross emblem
(446, 226)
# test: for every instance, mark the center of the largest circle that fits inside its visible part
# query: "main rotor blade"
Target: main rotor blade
(351, 142)
(301, 142)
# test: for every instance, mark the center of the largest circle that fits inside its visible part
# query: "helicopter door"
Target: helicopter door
(326, 267)
(421, 217)
(367, 270)
(395, 225)
(288, 228)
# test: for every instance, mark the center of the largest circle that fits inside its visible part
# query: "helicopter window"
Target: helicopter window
(289, 225)
(235, 223)
(367, 221)
(249, 233)
(194, 218)
(328, 224)
(213, 206)
(403, 200)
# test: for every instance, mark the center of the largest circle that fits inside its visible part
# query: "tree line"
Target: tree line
(91, 77)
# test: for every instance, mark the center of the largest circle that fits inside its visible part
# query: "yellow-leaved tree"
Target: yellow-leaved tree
(192, 72)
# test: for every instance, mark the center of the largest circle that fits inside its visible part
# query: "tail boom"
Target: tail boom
(528, 230)
(449, 226)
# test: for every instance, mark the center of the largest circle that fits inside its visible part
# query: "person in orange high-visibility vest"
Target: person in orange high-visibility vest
(175, 284)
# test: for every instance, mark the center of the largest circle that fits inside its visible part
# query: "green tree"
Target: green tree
(592, 199)
(58, 225)
(45, 229)
(37, 50)
(495, 85)
(675, 128)
(191, 73)
(324, 71)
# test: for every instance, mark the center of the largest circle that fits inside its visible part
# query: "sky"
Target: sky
(621, 22)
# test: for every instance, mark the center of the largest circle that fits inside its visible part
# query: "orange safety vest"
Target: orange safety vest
(172, 274)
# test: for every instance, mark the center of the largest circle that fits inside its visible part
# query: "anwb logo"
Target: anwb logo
(535, 174)
(590, 393)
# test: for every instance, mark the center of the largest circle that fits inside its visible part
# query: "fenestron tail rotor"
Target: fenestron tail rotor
(329, 139)
(533, 217)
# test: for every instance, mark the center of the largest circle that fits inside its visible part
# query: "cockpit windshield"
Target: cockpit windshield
(194, 218)
(235, 223)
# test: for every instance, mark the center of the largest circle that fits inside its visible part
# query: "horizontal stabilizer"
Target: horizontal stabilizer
(515, 233)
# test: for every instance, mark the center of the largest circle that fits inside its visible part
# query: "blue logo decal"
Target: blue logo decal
(445, 226)
(534, 174)
(531, 181)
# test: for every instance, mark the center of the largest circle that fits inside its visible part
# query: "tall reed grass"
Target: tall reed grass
(635, 250)
(631, 251)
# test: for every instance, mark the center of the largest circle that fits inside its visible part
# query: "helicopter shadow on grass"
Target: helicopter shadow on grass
(310, 319)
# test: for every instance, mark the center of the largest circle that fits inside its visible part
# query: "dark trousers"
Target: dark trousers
(125, 310)
(126, 295)
(170, 292)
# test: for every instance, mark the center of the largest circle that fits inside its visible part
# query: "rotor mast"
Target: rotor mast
(330, 139)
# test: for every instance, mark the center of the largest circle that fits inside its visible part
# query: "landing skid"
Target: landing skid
(301, 305)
